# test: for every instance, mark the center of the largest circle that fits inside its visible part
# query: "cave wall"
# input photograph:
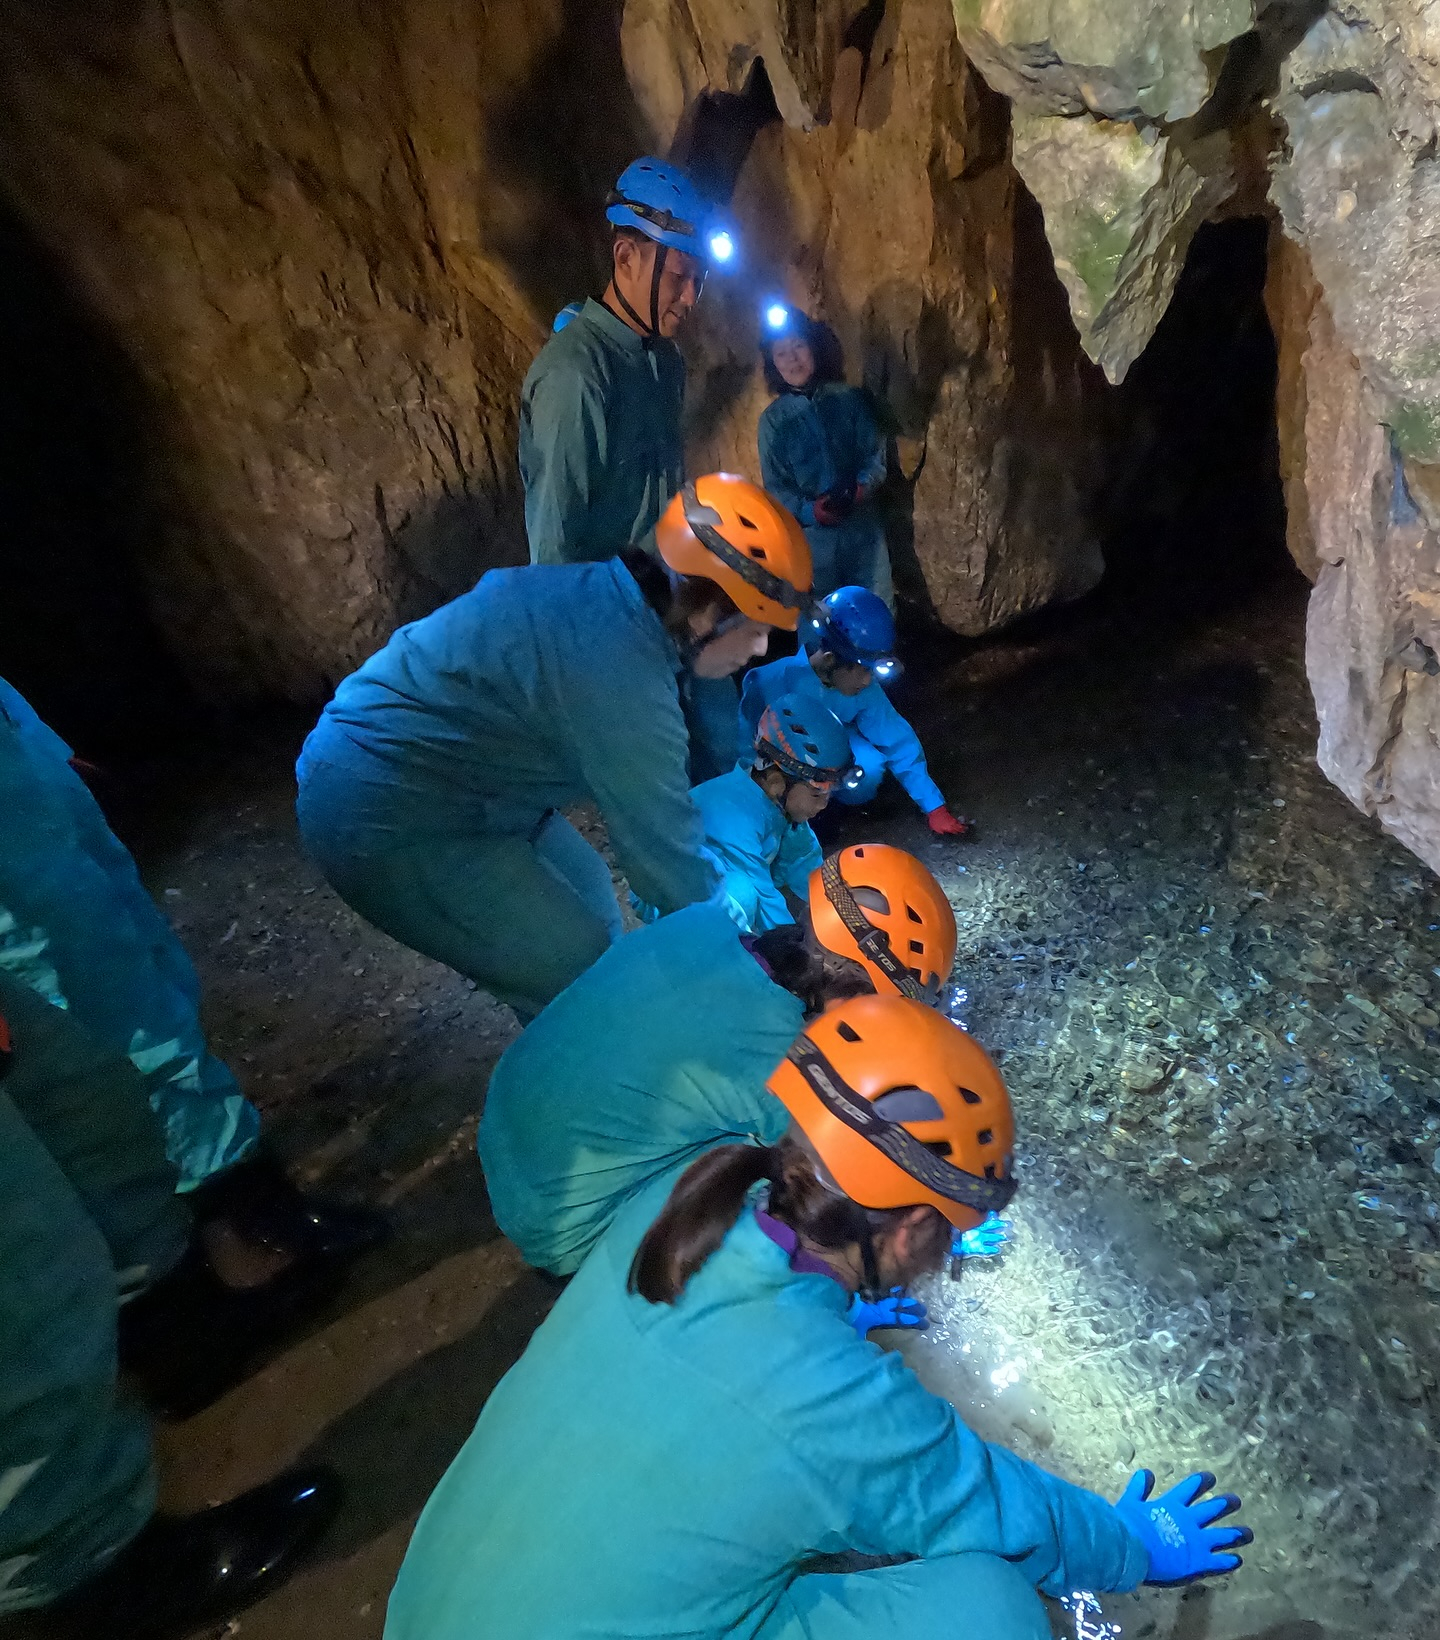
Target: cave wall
(1136, 123)
(327, 239)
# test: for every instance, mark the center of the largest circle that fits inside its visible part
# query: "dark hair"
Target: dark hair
(824, 347)
(675, 602)
(707, 1200)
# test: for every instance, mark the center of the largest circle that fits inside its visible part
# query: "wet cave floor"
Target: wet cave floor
(1214, 989)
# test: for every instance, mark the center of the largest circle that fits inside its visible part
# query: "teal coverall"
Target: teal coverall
(659, 1051)
(663, 1470)
(881, 740)
(757, 851)
(601, 449)
(77, 925)
(88, 1214)
(601, 453)
(430, 788)
(812, 443)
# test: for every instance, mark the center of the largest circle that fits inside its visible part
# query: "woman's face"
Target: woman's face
(728, 644)
(793, 360)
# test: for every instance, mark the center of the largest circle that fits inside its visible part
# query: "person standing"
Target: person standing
(822, 454)
(601, 446)
(602, 449)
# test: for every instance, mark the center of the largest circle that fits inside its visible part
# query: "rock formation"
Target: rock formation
(1135, 123)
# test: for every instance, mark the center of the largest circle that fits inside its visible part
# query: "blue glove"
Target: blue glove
(1176, 1528)
(896, 1310)
(986, 1240)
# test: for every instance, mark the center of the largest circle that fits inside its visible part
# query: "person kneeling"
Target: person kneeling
(757, 817)
(849, 655)
(697, 1419)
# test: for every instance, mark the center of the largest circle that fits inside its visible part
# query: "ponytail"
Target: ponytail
(709, 1194)
(704, 1204)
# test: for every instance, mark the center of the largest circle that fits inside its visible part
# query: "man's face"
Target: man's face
(681, 281)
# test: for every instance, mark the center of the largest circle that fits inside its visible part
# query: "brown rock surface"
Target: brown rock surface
(327, 237)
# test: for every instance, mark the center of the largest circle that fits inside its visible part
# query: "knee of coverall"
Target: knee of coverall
(963, 1597)
(870, 761)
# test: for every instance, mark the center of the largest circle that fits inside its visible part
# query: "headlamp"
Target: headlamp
(722, 246)
(777, 316)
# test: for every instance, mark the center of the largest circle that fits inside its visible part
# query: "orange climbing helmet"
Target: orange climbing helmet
(902, 1108)
(727, 530)
(909, 946)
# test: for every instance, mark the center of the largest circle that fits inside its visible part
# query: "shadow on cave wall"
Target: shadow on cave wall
(75, 634)
(561, 140)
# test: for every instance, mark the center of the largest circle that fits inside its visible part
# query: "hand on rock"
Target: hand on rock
(897, 1309)
(945, 824)
(988, 1238)
(1178, 1528)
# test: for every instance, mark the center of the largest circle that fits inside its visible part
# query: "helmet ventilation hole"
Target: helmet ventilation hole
(748, 523)
(913, 914)
(847, 1032)
(918, 947)
(985, 1137)
(970, 1096)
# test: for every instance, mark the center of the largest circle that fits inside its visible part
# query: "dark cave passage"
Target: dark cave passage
(1192, 515)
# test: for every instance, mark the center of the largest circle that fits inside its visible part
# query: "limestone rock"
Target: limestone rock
(675, 50)
(1373, 628)
(1360, 188)
(1121, 206)
(901, 223)
(328, 237)
(1120, 61)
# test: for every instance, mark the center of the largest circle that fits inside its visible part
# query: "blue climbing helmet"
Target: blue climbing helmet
(570, 311)
(660, 201)
(857, 628)
(801, 738)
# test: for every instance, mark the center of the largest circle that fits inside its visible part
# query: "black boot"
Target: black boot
(190, 1338)
(186, 1572)
(258, 1198)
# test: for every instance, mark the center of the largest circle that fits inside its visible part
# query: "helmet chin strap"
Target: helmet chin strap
(650, 331)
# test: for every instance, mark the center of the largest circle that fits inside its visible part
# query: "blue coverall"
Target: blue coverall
(880, 739)
(77, 925)
(659, 1051)
(601, 449)
(663, 1470)
(88, 1212)
(811, 443)
(601, 453)
(431, 787)
(758, 852)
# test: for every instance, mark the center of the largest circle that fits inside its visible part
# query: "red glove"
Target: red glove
(945, 824)
(828, 511)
